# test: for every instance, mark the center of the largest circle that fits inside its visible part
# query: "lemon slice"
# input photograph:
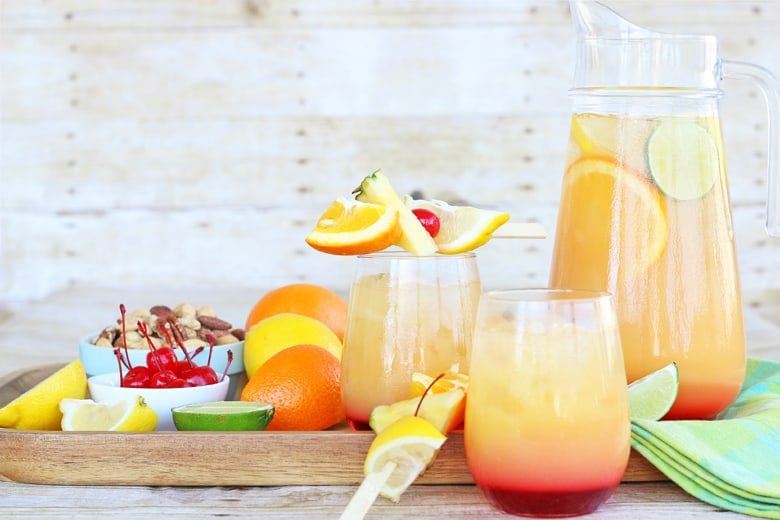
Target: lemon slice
(463, 228)
(127, 415)
(223, 416)
(683, 159)
(411, 444)
(38, 408)
(652, 396)
(620, 137)
(398, 455)
(351, 227)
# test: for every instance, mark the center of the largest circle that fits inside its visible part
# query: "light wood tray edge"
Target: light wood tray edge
(332, 457)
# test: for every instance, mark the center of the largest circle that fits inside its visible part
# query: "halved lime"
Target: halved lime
(652, 396)
(223, 416)
(683, 159)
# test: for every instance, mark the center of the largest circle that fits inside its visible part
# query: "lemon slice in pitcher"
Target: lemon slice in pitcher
(683, 159)
(621, 138)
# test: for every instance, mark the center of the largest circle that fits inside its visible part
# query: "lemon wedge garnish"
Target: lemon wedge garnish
(411, 444)
(397, 456)
(463, 228)
(127, 415)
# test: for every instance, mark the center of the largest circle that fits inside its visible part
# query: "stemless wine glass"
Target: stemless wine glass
(547, 427)
(406, 314)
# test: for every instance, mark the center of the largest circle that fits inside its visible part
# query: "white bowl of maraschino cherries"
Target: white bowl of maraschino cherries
(164, 382)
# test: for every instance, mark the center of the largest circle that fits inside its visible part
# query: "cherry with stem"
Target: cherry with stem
(120, 362)
(122, 312)
(227, 366)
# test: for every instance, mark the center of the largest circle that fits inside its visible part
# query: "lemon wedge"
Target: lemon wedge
(398, 455)
(463, 228)
(411, 443)
(127, 415)
(38, 407)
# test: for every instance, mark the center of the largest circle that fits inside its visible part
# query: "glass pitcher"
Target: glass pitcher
(645, 210)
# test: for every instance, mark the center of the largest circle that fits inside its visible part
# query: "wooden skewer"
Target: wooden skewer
(366, 494)
(520, 230)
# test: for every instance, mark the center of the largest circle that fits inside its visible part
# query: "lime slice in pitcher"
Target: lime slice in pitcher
(652, 396)
(223, 416)
(683, 159)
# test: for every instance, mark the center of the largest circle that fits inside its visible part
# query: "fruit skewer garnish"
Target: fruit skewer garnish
(163, 369)
(398, 455)
(380, 218)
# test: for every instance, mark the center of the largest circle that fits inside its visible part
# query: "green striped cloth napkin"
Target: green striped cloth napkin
(732, 462)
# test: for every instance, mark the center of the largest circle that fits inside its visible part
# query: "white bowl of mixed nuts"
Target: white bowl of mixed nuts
(184, 325)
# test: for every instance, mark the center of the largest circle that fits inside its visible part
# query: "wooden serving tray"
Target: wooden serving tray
(331, 457)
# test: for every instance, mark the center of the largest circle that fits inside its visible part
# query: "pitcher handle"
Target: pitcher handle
(770, 87)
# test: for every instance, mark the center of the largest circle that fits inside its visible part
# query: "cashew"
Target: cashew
(227, 339)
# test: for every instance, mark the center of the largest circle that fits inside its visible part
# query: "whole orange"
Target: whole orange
(303, 383)
(307, 299)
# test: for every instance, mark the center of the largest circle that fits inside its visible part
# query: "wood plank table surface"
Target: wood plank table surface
(46, 332)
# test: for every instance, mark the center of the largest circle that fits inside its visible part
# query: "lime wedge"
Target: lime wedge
(652, 396)
(223, 416)
(683, 159)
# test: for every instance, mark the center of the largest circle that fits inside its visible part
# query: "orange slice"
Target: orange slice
(450, 380)
(355, 228)
(614, 221)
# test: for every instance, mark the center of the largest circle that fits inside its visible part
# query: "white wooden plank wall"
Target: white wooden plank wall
(183, 143)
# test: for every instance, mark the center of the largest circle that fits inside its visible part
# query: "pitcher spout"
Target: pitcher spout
(593, 19)
(614, 53)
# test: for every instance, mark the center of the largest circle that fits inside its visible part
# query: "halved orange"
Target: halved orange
(613, 223)
(351, 227)
(450, 381)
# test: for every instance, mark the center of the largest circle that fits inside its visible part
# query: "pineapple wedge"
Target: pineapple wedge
(445, 410)
(376, 189)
